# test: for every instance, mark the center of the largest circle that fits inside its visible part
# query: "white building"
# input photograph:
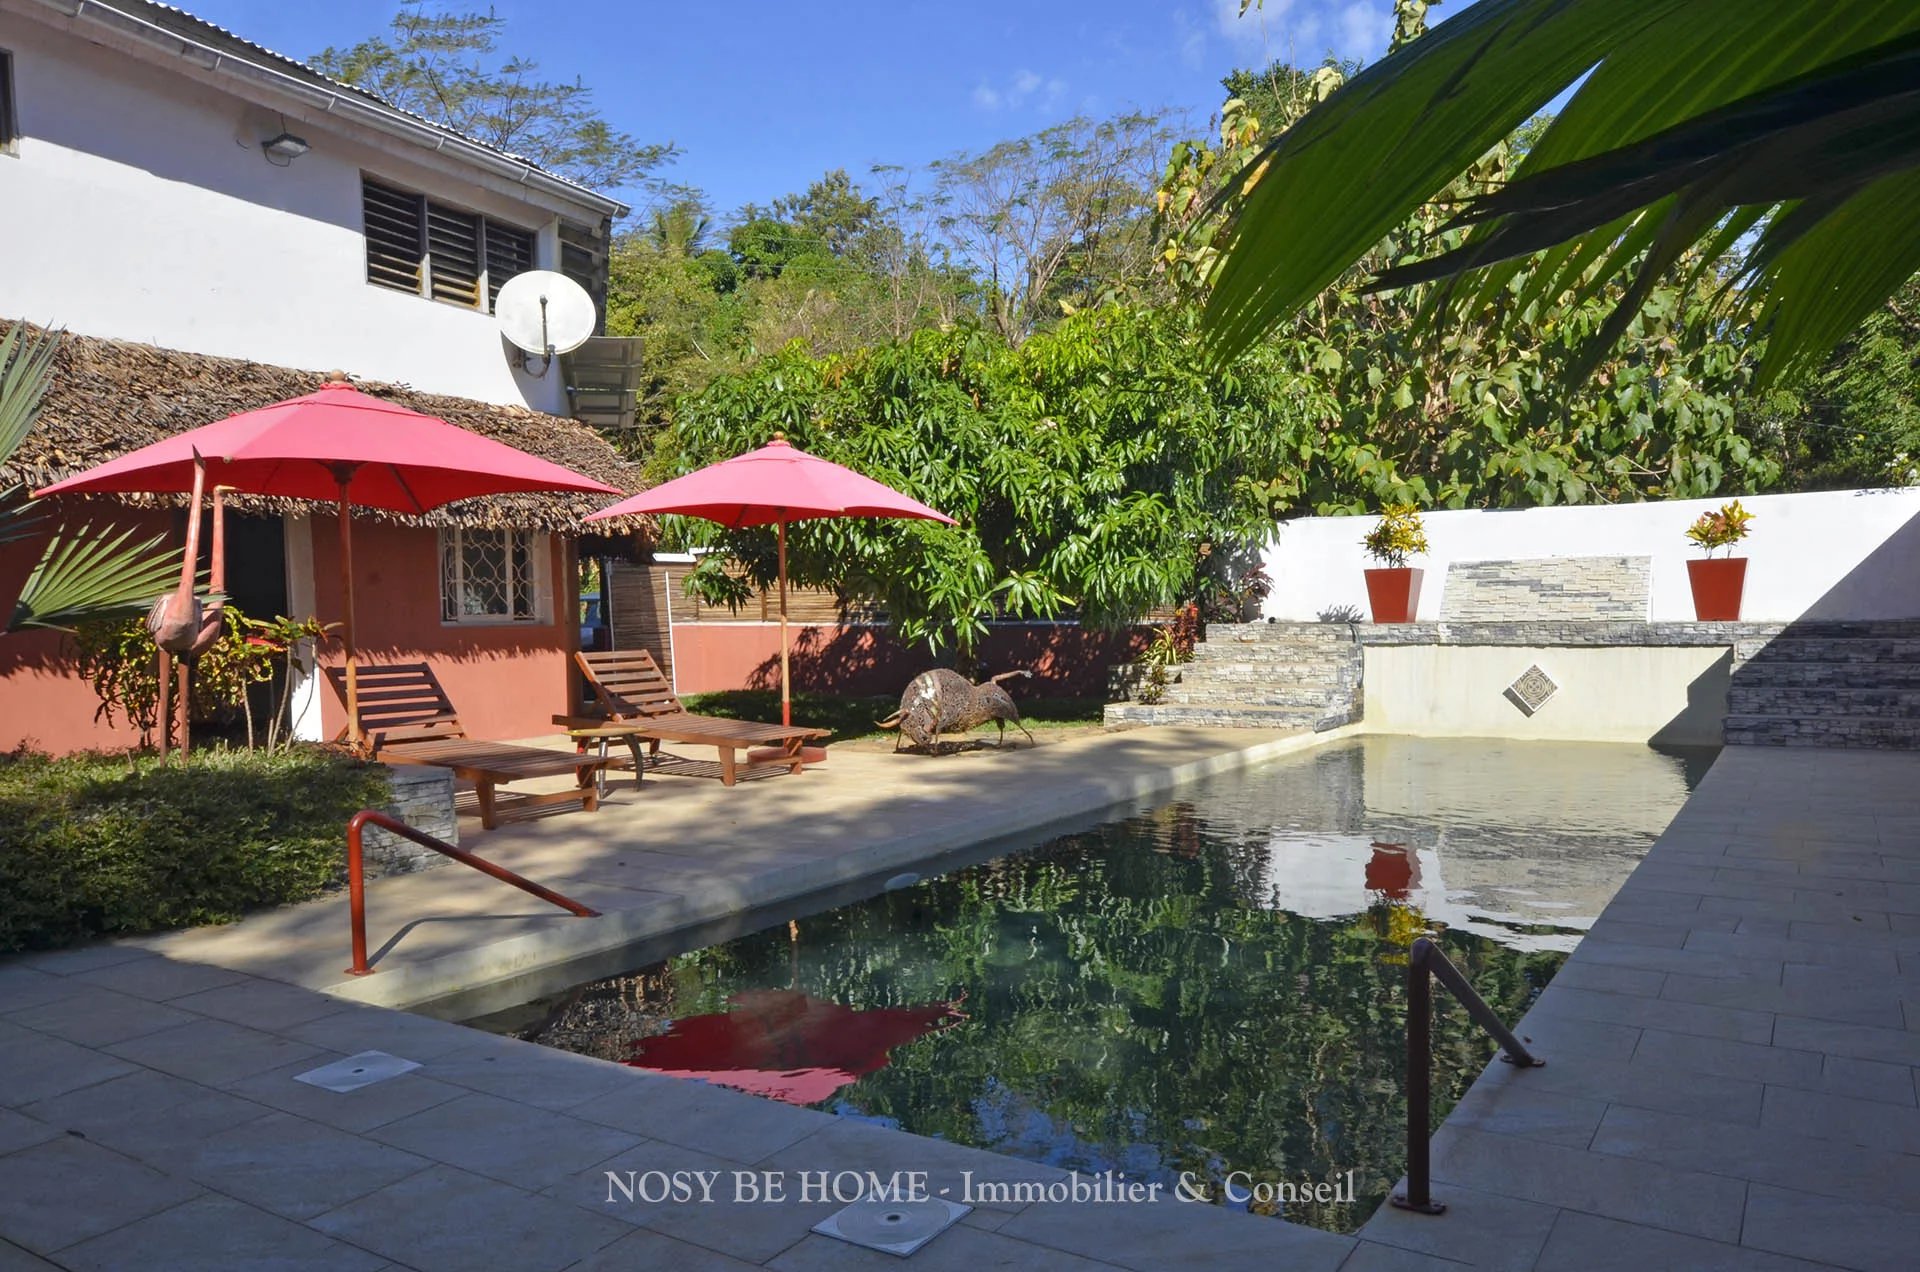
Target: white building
(141, 199)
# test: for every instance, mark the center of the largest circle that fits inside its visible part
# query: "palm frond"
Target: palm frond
(89, 573)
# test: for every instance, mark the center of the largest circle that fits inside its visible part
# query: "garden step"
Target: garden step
(1225, 717)
(1190, 694)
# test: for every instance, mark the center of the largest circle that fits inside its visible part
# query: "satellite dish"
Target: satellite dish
(543, 314)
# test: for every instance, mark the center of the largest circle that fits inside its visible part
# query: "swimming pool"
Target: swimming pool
(1210, 986)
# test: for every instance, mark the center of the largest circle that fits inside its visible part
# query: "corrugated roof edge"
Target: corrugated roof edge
(152, 21)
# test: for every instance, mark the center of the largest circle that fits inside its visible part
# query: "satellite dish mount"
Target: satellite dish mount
(543, 313)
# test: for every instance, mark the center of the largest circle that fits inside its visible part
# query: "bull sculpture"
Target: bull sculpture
(943, 701)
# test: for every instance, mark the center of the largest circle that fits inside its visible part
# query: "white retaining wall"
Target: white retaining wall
(1850, 554)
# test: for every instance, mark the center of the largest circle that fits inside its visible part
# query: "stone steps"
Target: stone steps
(1827, 684)
(1823, 700)
(1241, 717)
(1216, 695)
(1843, 731)
(1261, 675)
(1811, 674)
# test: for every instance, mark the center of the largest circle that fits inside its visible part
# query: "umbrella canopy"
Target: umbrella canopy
(335, 444)
(787, 1045)
(772, 486)
(398, 460)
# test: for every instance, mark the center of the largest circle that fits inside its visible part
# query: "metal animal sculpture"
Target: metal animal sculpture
(943, 701)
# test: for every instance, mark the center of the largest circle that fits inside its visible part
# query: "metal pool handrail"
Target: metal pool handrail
(356, 877)
(1426, 963)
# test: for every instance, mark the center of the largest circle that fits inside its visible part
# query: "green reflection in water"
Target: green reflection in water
(1139, 999)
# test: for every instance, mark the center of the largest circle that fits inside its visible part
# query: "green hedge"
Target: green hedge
(95, 845)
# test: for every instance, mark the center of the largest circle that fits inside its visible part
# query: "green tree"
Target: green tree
(83, 572)
(446, 65)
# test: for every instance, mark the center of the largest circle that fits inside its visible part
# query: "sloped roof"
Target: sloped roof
(146, 17)
(109, 397)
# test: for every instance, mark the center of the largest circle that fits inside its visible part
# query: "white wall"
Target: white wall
(139, 206)
(1835, 555)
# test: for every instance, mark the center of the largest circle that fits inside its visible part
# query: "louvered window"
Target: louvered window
(417, 245)
(509, 252)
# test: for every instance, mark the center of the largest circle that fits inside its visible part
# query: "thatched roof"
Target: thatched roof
(109, 397)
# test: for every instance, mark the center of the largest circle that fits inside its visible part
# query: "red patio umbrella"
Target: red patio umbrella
(772, 486)
(787, 1045)
(341, 445)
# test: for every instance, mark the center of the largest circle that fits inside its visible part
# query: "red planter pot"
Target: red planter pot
(1394, 594)
(1717, 585)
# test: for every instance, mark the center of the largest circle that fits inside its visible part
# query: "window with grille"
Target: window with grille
(417, 245)
(491, 576)
(9, 132)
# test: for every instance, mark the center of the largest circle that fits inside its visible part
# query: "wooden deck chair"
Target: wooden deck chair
(629, 689)
(408, 719)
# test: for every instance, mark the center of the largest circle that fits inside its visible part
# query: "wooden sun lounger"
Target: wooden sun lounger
(408, 719)
(631, 690)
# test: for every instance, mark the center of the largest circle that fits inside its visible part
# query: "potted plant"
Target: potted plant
(1394, 589)
(1718, 581)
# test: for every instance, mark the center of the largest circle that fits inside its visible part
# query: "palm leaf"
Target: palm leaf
(1695, 122)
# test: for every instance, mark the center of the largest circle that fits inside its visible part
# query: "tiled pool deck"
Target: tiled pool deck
(1730, 1082)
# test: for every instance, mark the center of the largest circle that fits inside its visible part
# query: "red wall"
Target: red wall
(505, 681)
(1067, 660)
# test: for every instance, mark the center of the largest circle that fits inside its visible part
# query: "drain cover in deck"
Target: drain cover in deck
(892, 1227)
(355, 1072)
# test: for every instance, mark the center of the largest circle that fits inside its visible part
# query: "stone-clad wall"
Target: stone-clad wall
(1585, 588)
(423, 799)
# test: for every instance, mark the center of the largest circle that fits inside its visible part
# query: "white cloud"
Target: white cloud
(1025, 87)
(1024, 83)
(986, 98)
(1365, 28)
(1303, 31)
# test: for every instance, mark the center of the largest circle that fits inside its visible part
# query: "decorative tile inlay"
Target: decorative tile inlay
(1531, 691)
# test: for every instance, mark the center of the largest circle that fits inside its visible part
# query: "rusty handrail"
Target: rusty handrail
(357, 887)
(1426, 963)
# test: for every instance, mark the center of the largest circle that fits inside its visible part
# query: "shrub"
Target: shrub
(1398, 535)
(1721, 528)
(95, 845)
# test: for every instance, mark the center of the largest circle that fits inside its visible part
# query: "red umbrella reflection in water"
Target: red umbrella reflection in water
(785, 1045)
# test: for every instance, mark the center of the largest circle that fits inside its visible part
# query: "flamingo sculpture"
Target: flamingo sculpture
(180, 624)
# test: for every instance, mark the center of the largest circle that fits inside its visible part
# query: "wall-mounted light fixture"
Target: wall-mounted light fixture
(283, 149)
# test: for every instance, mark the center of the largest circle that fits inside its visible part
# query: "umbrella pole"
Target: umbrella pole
(346, 613)
(786, 683)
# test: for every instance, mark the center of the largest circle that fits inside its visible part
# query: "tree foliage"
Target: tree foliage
(446, 65)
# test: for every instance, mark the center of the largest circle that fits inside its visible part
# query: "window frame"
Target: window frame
(425, 206)
(539, 556)
(9, 110)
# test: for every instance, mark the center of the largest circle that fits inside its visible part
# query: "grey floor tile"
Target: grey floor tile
(294, 1167)
(1529, 1111)
(447, 1219)
(216, 1232)
(527, 1073)
(620, 1188)
(1722, 1057)
(1867, 1080)
(15, 1259)
(1770, 950)
(743, 1128)
(22, 986)
(259, 1004)
(1842, 1119)
(1648, 1086)
(354, 1029)
(502, 1140)
(148, 1115)
(1177, 1235)
(1688, 962)
(216, 1052)
(958, 1249)
(35, 1066)
(848, 1145)
(1372, 1257)
(1769, 1156)
(643, 1249)
(1551, 1034)
(1588, 1243)
(1859, 1042)
(360, 1110)
(1864, 1001)
(19, 1131)
(1829, 1230)
(1617, 1187)
(1657, 1013)
(66, 1190)
(159, 979)
(1479, 1228)
(1612, 980)
(85, 958)
(95, 1017)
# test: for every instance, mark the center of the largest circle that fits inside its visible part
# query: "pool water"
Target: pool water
(1214, 984)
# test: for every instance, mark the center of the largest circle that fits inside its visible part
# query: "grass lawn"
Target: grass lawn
(853, 717)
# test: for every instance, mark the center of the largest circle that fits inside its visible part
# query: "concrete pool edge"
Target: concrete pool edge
(409, 985)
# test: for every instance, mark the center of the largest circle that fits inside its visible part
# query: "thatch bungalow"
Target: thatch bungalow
(485, 591)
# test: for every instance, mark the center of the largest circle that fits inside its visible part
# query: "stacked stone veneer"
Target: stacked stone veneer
(1262, 675)
(422, 798)
(1602, 588)
(1827, 684)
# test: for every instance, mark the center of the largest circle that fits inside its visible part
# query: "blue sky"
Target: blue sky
(764, 97)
